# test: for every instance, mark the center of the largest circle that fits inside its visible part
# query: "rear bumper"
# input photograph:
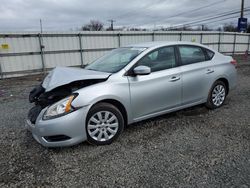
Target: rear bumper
(71, 125)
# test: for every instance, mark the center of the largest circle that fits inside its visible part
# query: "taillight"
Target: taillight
(234, 62)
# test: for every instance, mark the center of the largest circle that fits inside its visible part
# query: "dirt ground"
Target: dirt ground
(194, 147)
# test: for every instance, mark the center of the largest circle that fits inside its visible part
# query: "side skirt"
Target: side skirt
(167, 111)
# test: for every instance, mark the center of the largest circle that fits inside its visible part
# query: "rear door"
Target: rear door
(193, 68)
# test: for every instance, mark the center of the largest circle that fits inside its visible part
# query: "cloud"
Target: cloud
(69, 14)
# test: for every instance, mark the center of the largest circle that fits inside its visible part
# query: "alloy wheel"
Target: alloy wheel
(102, 126)
(218, 95)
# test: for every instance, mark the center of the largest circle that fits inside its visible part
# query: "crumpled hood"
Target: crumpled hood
(64, 75)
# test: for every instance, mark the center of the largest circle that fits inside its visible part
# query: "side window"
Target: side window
(210, 54)
(191, 54)
(160, 59)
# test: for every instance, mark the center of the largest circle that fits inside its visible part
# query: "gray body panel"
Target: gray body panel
(143, 96)
(155, 92)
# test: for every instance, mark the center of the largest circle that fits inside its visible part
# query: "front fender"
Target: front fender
(118, 91)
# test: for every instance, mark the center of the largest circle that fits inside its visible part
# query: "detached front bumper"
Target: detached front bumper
(66, 130)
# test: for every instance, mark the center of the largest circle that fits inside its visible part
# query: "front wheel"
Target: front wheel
(217, 95)
(104, 124)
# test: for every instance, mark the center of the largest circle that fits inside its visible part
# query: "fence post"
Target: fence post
(119, 39)
(1, 71)
(153, 36)
(41, 51)
(219, 41)
(81, 51)
(234, 43)
(180, 36)
(248, 48)
(201, 38)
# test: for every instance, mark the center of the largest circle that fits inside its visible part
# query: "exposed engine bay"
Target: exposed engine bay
(42, 99)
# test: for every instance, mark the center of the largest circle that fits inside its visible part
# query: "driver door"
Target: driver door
(160, 90)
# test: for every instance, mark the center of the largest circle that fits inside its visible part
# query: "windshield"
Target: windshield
(115, 60)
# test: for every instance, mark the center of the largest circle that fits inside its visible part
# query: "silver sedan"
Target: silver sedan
(127, 85)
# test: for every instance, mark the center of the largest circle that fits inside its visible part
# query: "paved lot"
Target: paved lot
(189, 148)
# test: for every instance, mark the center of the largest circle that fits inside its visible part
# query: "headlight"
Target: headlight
(60, 108)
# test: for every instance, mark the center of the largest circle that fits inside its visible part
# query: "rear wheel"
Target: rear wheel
(104, 124)
(217, 95)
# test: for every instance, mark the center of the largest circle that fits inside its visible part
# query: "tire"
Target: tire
(104, 124)
(218, 89)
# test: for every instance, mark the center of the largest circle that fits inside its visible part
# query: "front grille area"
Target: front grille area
(56, 138)
(33, 113)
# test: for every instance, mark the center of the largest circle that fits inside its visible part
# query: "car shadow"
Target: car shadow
(191, 111)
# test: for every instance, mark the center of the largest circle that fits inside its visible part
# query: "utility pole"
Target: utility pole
(111, 24)
(40, 37)
(202, 27)
(41, 26)
(242, 9)
(242, 22)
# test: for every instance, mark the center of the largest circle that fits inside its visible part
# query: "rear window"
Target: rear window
(191, 54)
(210, 54)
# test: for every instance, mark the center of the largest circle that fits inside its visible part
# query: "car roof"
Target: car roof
(157, 44)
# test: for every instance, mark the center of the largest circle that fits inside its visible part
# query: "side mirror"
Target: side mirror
(142, 70)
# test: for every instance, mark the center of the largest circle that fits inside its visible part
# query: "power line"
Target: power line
(135, 10)
(214, 21)
(189, 11)
(228, 13)
(182, 13)
(209, 18)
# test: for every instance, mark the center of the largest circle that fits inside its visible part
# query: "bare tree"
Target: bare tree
(248, 28)
(205, 28)
(230, 27)
(219, 29)
(93, 25)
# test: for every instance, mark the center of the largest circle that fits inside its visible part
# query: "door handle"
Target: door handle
(209, 71)
(174, 78)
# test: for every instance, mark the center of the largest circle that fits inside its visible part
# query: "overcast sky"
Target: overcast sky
(24, 15)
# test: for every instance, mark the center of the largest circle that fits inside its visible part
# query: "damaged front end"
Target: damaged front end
(58, 84)
(42, 99)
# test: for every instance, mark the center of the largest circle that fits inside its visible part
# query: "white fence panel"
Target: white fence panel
(89, 57)
(20, 63)
(226, 48)
(227, 38)
(96, 42)
(133, 39)
(21, 44)
(210, 38)
(213, 46)
(166, 37)
(62, 59)
(242, 39)
(60, 43)
(23, 53)
(241, 47)
(191, 38)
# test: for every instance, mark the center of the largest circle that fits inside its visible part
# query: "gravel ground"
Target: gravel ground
(189, 148)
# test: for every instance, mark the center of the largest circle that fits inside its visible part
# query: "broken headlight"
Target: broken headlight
(60, 108)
